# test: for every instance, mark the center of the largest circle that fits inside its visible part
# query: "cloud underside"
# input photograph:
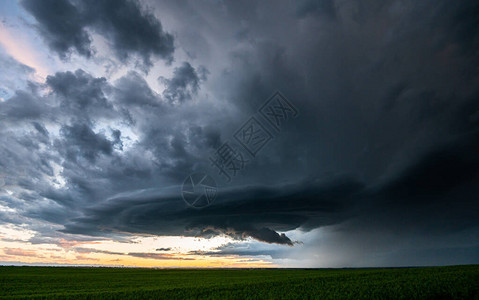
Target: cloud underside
(417, 201)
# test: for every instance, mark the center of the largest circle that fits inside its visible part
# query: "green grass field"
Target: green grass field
(457, 282)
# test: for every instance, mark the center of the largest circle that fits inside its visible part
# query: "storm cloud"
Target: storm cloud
(132, 31)
(380, 164)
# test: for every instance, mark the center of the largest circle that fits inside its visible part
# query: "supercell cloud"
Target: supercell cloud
(378, 166)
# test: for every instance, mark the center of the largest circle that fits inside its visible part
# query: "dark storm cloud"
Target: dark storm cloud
(40, 128)
(23, 105)
(442, 170)
(61, 134)
(436, 195)
(349, 74)
(133, 90)
(61, 25)
(81, 140)
(132, 31)
(82, 96)
(184, 83)
(316, 7)
(256, 212)
(79, 90)
(262, 234)
(416, 201)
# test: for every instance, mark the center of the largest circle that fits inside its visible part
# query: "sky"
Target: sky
(328, 133)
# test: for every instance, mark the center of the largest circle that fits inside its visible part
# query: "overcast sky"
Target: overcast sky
(354, 127)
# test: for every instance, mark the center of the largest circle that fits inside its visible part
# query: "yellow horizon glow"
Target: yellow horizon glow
(15, 247)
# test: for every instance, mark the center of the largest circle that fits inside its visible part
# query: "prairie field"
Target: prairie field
(454, 282)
